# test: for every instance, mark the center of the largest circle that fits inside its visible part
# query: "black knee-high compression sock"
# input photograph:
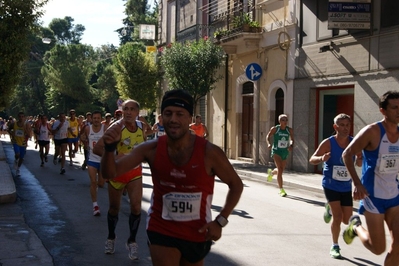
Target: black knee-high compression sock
(112, 221)
(134, 221)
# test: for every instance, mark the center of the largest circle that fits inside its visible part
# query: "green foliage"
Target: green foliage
(193, 66)
(66, 72)
(254, 24)
(65, 31)
(17, 20)
(137, 12)
(246, 18)
(242, 19)
(30, 93)
(136, 75)
(103, 80)
(220, 33)
(237, 22)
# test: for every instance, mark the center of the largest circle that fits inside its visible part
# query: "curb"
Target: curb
(8, 191)
(250, 175)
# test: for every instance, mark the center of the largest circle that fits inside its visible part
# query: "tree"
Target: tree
(17, 20)
(192, 66)
(30, 93)
(67, 71)
(103, 80)
(65, 31)
(137, 12)
(136, 75)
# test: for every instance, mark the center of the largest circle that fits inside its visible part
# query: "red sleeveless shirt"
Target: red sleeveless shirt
(182, 195)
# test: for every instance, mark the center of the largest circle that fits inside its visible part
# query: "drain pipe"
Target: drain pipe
(226, 94)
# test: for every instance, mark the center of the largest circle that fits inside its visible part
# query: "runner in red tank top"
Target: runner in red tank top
(180, 227)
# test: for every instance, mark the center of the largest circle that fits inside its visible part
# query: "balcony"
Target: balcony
(237, 31)
(244, 36)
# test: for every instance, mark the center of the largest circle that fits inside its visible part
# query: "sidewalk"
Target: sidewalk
(21, 246)
(308, 181)
(8, 192)
(19, 243)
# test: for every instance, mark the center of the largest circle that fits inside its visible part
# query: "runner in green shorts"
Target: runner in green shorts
(283, 141)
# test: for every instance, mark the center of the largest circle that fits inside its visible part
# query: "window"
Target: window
(248, 88)
(279, 105)
(389, 13)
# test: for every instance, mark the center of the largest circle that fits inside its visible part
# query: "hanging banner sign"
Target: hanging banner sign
(147, 32)
(347, 14)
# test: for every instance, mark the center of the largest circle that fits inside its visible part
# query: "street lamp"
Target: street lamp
(125, 30)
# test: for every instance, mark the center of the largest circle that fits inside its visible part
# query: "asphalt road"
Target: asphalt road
(264, 229)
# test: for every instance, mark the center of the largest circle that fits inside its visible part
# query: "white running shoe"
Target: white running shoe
(110, 246)
(133, 250)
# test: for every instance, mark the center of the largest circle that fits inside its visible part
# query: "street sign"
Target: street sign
(349, 14)
(119, 102)
(147, 32)
(151, 49)
(253, 71)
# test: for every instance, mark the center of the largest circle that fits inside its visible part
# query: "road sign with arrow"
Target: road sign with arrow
(253, 71)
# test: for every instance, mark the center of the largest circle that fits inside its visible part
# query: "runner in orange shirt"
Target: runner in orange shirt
(199, 128)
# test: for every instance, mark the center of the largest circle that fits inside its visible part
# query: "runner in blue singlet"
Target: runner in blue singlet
(378, 190)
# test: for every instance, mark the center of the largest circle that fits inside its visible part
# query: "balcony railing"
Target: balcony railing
(235, 25)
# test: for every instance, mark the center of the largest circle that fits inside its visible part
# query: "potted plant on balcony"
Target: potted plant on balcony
(255, 26)
(242, 22)
(218, 34)
(246, 21)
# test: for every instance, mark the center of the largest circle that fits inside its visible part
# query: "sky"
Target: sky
(100, 17)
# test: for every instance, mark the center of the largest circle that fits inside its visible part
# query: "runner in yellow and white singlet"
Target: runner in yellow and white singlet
(73, 135)
(20, 132)
(132, 134)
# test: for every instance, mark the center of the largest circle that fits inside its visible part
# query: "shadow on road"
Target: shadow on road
(363, 263)
(313, 202)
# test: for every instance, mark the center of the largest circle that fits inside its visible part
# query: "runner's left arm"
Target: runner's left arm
(217, 162)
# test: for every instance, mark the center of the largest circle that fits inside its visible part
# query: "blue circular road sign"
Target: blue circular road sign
(253, 71)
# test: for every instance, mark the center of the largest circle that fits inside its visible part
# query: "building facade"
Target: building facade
(240, 111)
(343, 70)
(308, 71)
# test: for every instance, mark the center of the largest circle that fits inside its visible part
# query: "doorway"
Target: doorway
(331, 102)
(247, 126)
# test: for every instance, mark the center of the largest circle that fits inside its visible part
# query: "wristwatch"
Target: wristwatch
(221, 221)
